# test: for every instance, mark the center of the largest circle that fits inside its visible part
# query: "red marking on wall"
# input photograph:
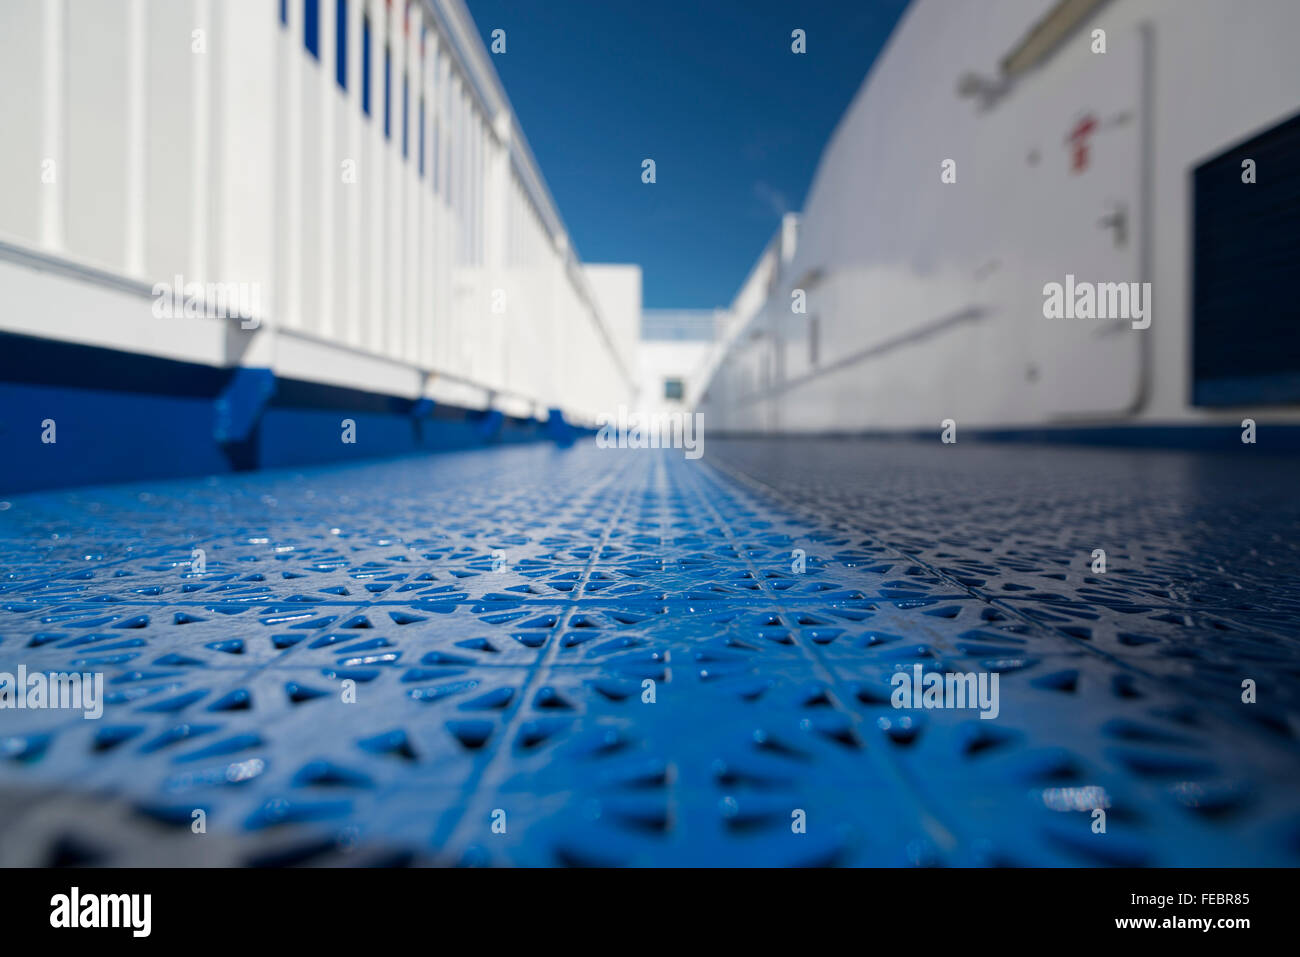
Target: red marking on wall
(1078, 140)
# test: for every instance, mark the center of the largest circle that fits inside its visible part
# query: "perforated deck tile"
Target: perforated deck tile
(500, 610)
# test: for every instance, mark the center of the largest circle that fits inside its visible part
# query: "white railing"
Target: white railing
(394, 215)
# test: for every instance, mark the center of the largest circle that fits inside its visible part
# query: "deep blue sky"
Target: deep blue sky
(709, 90)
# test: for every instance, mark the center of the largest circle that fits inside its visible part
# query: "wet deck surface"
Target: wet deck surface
(500, 613)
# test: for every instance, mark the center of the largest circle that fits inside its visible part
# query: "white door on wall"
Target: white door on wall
(1071, 181)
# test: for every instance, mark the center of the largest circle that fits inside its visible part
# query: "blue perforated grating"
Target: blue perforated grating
(520, 689)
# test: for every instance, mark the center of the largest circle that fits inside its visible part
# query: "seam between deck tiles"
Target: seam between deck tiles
(891, 770)
(450, 839)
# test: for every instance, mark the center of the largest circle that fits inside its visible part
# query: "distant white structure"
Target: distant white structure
(673, 355)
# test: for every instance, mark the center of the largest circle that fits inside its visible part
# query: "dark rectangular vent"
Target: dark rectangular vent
(1246, 273)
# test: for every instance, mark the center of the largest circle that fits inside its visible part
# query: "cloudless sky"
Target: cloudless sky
(708, 89)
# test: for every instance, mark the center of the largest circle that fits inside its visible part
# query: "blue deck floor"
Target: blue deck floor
(519, 689)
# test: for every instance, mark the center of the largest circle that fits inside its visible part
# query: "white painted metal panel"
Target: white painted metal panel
(1075, 211)
(23, 113)
(169, 119)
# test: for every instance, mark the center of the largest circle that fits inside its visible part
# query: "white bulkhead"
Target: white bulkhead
(924, 280)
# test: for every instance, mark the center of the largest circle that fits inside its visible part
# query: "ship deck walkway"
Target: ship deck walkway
(580, 655)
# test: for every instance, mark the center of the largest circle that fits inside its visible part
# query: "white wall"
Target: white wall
(617, 288)
(930, 294)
